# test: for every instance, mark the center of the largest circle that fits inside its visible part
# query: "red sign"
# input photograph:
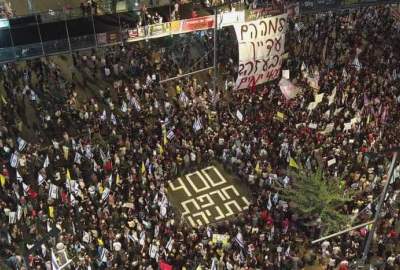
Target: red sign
(165, 266)
(133, 33)
(200, 23)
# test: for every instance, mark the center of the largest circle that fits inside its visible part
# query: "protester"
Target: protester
(99, 163)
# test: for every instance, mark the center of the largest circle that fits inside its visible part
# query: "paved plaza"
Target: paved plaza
(207, 196)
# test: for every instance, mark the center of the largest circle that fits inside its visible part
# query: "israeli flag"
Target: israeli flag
(239, 239)
(103, 117)
(53, 191)
(21, 144)
(105, 194)
(136, 104)
(46, 162)
(54, 262)
(103, 252)
(40, 179)
(77, 158)
(183, 98)
(14, 160)
(113, 119)
(19, 177)
(356, 63)
(170, 134)
(12, 217)
(124, 107)
(197, 125)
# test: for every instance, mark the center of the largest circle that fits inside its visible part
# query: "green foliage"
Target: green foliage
(314, 196)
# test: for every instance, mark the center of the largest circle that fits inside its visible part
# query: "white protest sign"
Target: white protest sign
(261, 46)
(288, 89)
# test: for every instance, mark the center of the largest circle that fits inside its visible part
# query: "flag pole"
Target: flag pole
(378, 210)
(215, 48)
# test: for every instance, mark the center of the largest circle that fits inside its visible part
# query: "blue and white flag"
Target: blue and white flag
(19, 177)
(197, 125)
(78, 158)
(113, 119)
(54, 262)
(53, 191)
(269, 206)
(40, 179)
(124, 107)
(136, 104)
(103, 253)
(21, 144)
(46, 162)
(170, 134)
(239, 239)
(103, 116)
(356, 63)
(14, 159)
(275, 198)
(183, 98)
(105, 194)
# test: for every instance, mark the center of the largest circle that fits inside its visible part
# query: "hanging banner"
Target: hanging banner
(159, 29)
(200, 23)
(261, 46)
(259, 13)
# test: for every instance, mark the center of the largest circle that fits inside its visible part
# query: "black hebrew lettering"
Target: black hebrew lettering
(263, 32)
(269, 45)
(243, 30)
(255, 31)
(251, 67)
(278, 43)
(273, 25)
(241, 68)
(282, 24)
(254, 50)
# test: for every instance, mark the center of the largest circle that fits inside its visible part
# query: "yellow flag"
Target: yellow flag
(118, 180)
(68, 175)
(2, 180)
(269, 168)
(258, 170)
(143, 169)
(3, 100)
(368, 119)
(292, 163)
(100, 242)
(66, 152)
(101, 189)
(51, 211)
(161, 149)
(164, 132)
(280, 115)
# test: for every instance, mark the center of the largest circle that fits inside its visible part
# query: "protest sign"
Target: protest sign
(288, 89)
(199, 23)
(261, 46)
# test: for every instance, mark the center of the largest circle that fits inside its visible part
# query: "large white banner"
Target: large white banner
(261, 46)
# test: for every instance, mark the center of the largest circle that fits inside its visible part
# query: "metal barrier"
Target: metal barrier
(43, 34)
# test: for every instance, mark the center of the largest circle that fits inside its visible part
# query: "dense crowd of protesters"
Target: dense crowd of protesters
(98, 164)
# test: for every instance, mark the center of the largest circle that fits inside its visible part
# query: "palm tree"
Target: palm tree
(313, 196)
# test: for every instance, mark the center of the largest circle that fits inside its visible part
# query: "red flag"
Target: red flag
(32, 194)
(165, 266)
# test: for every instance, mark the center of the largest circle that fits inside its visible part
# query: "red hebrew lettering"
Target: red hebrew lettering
(242, 81)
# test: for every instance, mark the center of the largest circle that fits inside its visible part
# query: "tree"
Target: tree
(312, 195)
